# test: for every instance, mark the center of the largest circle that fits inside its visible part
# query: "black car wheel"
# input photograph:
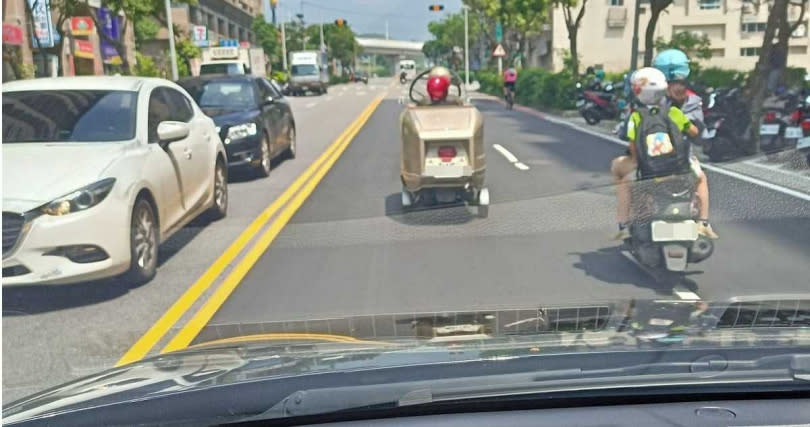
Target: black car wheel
(220, 207)
(291, 148)
(143, 243)
(265, 159)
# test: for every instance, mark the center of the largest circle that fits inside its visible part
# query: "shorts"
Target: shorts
(624, 166)
(509, 85)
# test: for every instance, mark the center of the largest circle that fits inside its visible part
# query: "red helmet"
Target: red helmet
(438, 84)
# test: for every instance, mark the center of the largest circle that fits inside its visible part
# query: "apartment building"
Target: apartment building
(734, 27)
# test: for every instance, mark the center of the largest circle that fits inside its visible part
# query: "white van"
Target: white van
(309, 70)
(407, 70)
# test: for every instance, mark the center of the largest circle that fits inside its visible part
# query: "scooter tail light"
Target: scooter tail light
(770, 116)
(447, 153)
(796, 116)
(806, 126)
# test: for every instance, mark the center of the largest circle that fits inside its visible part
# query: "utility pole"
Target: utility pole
(466, 47)
(284, 45)
(323, 45)
(303, 29)
(386, 29)
(634, 48)
(172, 53)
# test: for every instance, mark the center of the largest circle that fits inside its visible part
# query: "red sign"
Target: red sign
(12, 34)
(84, 49)
(81, 26)
(244, 44)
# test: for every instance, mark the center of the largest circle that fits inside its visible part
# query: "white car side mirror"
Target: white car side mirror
(170, 131)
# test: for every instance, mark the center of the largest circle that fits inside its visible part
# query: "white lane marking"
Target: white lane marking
(328, 98)
(361, 93)
(776, 168)
(722, 171)
(310, 105)
(687, 295)
(509, 156)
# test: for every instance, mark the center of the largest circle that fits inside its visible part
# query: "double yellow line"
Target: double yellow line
(306, 183)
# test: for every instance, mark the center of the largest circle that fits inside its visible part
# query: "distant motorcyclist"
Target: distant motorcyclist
(675, 66)
(649, 87)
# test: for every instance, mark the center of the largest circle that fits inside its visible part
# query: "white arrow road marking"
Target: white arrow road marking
(510, 157)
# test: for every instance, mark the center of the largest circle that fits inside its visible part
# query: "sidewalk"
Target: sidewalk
(787, 169)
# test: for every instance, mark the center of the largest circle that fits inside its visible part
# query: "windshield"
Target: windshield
(304, 70)
(68, 116)
(226, 68)
(332, 194)
(222, 94)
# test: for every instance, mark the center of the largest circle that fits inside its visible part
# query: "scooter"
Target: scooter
(778, 130)
(403, 77)
(595, 106)
(802, 117)
(664, 236)
(728, 124)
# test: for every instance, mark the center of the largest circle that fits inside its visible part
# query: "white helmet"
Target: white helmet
(649, 85)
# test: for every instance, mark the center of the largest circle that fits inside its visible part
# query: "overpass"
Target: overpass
(393, 49)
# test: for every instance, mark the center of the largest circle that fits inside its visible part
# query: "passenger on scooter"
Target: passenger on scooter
(675, 66)
(649, 87)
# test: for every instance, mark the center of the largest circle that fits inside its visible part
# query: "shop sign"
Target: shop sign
(12, 34)
(43, 29)
(83, 49)
(81, 26)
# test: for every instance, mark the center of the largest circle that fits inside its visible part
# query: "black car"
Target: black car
(253, 119)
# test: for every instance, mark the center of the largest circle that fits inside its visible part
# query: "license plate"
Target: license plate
(709, 133)
(446, 171)
(663, 231)
(661, 322)
(769, 130)
(793, 132)
(580, 102)
(803, 142)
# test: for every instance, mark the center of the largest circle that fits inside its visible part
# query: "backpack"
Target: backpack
(660, 147)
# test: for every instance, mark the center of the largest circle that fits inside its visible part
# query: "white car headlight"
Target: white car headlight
(241, 131)
(79, 200)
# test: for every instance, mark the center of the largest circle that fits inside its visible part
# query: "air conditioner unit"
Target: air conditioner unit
(617, 17)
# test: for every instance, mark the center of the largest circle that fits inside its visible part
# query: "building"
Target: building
(735, 29)
(219, 20)
(77, 41)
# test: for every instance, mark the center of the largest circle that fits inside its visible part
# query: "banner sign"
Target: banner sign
(199, 35)
(83, 49)
(110, 27)
(12, 34)
(82, 26)
(43, 28)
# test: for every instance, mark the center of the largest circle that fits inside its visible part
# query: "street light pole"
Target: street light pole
(283, 45)
(634, 48)
(172, 53)
(466, 47)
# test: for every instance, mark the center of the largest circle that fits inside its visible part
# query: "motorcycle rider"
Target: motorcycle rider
(649, 87)
(510, 76)
(438, 87)
(675, 66)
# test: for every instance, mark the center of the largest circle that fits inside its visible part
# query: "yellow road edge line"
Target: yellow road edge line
(159, 329)
(186, 335)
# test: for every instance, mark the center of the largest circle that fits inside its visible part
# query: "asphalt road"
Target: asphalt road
(350, 249)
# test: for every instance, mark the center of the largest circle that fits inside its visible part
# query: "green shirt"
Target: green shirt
(675, 115)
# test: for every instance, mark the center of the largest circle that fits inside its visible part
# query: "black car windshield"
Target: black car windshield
(304, 70)
(69, 116)
(222, 94)
(229, 68)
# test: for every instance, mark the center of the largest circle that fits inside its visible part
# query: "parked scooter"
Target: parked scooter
(778, 129)
(664, 234)
(595, 106)
(728, 124)
(802, 117)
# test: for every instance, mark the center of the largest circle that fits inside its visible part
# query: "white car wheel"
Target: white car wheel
(143, 243)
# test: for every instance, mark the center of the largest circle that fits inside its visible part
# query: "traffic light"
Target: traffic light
(436, 7)
(340, 22)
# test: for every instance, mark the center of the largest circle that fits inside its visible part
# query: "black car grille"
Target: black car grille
(12, 227)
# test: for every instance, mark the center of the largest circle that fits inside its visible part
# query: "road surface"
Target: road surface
(341, 245)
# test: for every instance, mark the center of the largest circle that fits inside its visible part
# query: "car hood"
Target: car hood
(422, 339)
(227, 117)
(36, 173)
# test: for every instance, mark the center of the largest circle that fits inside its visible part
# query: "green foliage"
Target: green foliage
(696, 46)
(333, 79)
(536, 87)
(794, 77)
(146, 28)
(279, 76)
(718, 77)
(268, 36)
(448, 34)
(145, 66)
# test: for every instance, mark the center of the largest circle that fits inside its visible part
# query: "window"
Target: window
(159, 111)
(709, 4)
(273, 91)
(223, 94)
(181, 110)
(749, 51)
(617, 2)
(753, 27)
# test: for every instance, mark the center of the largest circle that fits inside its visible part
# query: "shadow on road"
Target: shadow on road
(448, 214)
(610, 266)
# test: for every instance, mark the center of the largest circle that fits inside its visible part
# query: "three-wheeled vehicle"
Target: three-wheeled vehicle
(443, 158)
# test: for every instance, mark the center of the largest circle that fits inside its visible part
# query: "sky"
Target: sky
(407, 19)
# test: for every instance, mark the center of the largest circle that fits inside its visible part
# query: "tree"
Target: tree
(696, 46)
(520, 20)
(656, 7)
(268, 37)
(448, 34)
(572, 25)
(340, 41)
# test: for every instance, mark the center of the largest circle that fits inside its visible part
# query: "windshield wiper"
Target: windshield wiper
(770, 370)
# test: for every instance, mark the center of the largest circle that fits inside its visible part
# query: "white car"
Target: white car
(98, 171)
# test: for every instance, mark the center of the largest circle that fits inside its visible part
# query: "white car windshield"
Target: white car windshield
(68, 116)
